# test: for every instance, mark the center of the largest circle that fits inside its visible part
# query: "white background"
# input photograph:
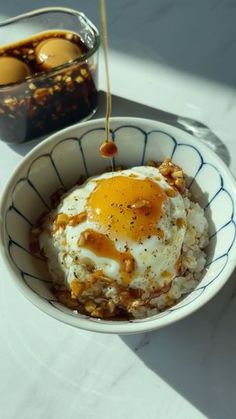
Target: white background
(178, 59)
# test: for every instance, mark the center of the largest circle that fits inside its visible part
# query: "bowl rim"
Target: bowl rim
(89, 323)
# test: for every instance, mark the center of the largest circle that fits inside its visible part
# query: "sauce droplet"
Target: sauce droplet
(108, 149)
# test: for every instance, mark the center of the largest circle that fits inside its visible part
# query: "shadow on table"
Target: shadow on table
(196, 356)
(126, 107)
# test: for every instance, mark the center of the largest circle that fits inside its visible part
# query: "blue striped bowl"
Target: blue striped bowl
(62, 158)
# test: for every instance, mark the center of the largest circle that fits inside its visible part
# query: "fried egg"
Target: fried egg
(128, 226)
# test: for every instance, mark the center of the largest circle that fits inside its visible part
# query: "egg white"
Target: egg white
(152, 256)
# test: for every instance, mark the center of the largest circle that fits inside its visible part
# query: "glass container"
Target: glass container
(51, 99)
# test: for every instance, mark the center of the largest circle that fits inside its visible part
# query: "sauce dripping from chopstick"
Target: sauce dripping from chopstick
(108, 147)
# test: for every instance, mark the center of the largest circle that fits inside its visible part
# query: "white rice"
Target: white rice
(193, 262)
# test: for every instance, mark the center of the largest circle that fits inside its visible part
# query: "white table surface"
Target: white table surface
(178, 57)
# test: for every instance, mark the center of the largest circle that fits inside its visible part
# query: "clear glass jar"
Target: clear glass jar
(48, 100)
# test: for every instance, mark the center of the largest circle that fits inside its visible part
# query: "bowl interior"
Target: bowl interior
(74, 152)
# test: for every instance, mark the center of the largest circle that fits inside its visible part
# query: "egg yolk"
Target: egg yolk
(127, 207)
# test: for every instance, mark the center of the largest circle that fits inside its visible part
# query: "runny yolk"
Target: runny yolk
(127, 207)
(103, 246)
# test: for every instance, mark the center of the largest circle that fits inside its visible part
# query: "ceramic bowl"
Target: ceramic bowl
(62, 158)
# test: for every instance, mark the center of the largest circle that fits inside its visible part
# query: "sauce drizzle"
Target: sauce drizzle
(108, 148)
(103, 246)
